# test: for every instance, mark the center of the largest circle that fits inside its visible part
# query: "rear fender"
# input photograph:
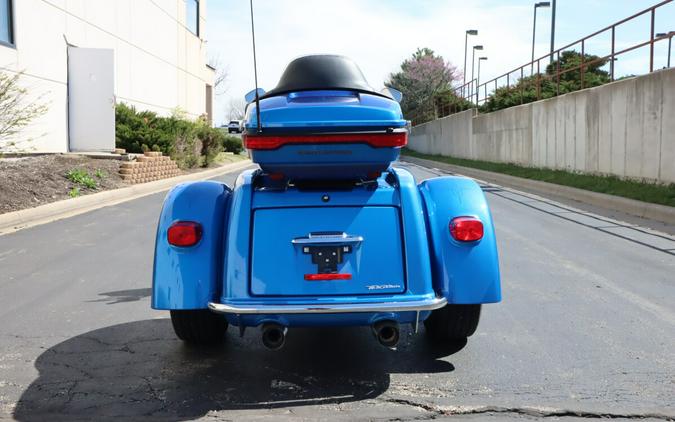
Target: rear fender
(464, 273)
(188, 277)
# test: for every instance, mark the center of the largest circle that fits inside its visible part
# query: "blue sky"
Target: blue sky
(380, 34)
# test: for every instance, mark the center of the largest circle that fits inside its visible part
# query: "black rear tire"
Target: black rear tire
(199, 326)
(453, 322)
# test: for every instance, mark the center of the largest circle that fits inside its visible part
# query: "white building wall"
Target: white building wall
(159, 64)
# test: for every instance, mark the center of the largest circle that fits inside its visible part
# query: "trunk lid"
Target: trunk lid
(323, 251)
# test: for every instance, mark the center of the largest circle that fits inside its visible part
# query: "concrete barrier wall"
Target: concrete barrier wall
(626, 128)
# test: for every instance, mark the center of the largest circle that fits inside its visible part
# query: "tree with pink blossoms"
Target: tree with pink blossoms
(421, 78)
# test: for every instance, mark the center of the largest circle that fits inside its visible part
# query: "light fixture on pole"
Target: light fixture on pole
(534, 29)
(473, 61)
(480, 59)
(466, 40)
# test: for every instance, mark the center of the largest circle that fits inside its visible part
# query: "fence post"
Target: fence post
(521, 85)
(651, 43)
(557, 73)
(538, 81)
(611, 65)
(583, 57)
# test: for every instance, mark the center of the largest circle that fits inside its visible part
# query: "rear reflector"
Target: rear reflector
(377, 140)
(323, 277)
(184, 233)
(466, 229)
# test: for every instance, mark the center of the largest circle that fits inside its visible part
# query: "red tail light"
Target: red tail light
(324, 277)
(377, 140)
(466, 229)
(184, 233)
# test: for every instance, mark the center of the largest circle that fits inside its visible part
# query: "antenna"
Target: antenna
(255, 73)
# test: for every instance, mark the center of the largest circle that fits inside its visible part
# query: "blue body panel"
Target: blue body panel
(325, 110)
(328, 161)
(278, 267)
(188, 278)
(464, 272)
(239, 262)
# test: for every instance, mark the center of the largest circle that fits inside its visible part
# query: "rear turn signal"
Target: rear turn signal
(466, 229)
(184, 233)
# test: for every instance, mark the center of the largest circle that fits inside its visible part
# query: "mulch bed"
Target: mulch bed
(27, 182)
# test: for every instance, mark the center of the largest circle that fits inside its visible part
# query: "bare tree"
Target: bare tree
(220, 80)
(17, 110)
(237, 109)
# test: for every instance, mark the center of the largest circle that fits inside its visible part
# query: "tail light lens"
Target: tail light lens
(184, 233)
(466, 229)
(376, 140)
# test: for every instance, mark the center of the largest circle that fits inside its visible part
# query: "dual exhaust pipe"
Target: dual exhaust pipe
(387, 333)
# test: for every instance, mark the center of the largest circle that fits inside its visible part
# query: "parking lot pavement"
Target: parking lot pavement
(586, 329)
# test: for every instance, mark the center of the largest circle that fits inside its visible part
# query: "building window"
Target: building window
(191, 16)
(6, 32)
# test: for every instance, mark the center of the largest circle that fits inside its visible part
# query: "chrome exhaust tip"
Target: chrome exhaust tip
(274, 336)
(387, 333)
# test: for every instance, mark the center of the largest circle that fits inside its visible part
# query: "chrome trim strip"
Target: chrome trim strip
(337, 308)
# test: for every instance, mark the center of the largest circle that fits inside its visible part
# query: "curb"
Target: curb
(17, 220)
(661, 213)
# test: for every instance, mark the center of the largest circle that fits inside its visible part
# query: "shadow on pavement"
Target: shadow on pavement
(121, 296)
(139, 369)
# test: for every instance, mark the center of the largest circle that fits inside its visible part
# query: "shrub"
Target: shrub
(189, 143)
(212, 143)
(17, 110)
(232, 144)
(525, 90)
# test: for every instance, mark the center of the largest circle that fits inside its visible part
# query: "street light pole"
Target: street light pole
(473, 61)
(480, 59)
(466, 41)
(552, 30)
(670, 41)
(534, 29)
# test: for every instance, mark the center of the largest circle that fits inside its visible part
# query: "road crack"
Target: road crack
(438, 411)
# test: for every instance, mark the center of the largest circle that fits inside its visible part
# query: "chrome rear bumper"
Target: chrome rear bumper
(333, 308)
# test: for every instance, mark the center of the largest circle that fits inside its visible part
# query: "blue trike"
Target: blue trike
(326, 232)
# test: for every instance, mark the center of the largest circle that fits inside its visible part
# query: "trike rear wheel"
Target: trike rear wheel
(198, 326)
(453, 322)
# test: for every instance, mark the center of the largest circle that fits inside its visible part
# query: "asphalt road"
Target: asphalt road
(586, 329)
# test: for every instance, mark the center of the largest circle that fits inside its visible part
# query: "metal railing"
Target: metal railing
(477, 93)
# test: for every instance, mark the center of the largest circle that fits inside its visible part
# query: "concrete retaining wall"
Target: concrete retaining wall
(626, 128)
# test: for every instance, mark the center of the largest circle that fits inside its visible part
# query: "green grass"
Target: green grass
(228, 157)
(642, 191)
